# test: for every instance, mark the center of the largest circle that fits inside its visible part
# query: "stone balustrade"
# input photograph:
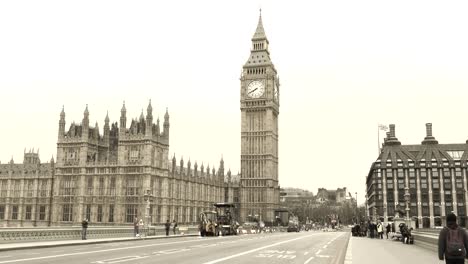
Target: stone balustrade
(8, 235)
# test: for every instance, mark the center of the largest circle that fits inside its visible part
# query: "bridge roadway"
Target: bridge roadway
(304, 248)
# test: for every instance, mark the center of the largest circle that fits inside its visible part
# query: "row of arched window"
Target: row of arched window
(256, 71)
(258, 46)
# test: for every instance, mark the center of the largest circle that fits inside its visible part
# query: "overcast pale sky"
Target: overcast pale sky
(345, 67)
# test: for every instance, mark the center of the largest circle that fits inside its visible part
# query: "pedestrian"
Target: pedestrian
(453, 242)
(380, 230)
(135, 227)
(84, 228)
(141, 226)
(388, 227)
(168, 227)
(371, 229)
(174, 226)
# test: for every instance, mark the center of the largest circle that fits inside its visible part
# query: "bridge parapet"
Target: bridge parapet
(73, 233)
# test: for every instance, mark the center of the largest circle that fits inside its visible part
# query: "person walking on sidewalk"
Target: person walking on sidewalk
(168, 227)
(380, 230)
(135, 227)
(174, 226)
(388, 228)
(453, 242)
(84, 228)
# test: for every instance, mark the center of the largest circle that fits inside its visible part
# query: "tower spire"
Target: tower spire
(259, 32)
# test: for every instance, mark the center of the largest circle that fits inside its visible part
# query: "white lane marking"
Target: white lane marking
(253, 250)
(323, 256)
(307, 261)
(305, 253)
(96, 251)
(117, 260)
(318, 252)
(349, 253)
(325, 246)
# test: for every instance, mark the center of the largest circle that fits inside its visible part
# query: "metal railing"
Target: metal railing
(8, 235)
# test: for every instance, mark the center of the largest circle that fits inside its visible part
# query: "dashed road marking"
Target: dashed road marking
(305, 253)
(318, 252)
(308, 260)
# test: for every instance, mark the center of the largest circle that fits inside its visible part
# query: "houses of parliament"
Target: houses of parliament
(111, 177)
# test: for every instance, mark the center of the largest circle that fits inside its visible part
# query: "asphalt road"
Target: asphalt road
(276, 248)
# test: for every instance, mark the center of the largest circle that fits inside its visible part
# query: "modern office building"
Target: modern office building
(427, 181)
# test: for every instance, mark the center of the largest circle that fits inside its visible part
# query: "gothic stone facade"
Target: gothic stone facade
(109, 178)
(435, 176)
(259, 131)
(25, 191)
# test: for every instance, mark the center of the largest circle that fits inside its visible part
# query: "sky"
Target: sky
(344, 66)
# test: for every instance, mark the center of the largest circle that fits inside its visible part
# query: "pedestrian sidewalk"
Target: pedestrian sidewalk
(44, 244)
(363, 250)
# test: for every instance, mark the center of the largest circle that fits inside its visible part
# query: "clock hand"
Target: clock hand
(253, 90)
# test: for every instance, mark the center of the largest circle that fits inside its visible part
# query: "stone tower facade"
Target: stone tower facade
(107, 178)
(259, 95)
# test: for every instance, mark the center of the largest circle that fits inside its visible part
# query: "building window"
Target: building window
(447, 184)
(42, 212)
(90, 186)
(423, 183)
(401, 173)
(2, 212)
(131, 187)
(14, 212)
(99, 213)
(401, 184)
(459, 183)
(389, 183)
(101, 186)
(412, 184)
(411, 173)
(28, 212)
(435, 172)
(111, 213)
(131, 213)
(67, 213)
(88, 212)
(112, 186)
(435, 183)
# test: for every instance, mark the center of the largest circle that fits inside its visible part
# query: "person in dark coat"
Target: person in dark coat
(452, 229)
(174, 226)
(84, 228)
(167, 225)
(388, 228)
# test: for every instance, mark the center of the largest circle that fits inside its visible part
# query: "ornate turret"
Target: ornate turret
(181, 165)
(189, 168)
(195, 169)
(85, 124)
(149, 120)
(174, 163)
(123, 118)
(158, 130)
(106, 129)
(166, 125)
(61, 132)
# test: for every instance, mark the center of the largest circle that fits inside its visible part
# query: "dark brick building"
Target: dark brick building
(433, 174)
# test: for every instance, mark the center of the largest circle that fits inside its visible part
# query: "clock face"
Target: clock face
(255, 89)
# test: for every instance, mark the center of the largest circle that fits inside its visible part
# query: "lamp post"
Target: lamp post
(357, 211)
(148, 197)
(407, 209)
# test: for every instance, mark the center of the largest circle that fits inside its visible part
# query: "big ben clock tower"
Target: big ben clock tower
(259, 132)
